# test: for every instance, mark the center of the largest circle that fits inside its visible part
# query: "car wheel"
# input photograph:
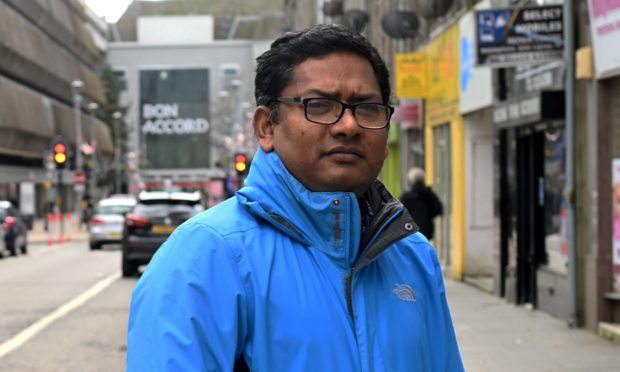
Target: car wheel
(129, 268)
(94, 246)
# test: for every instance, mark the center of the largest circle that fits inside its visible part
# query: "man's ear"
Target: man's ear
(263, 128)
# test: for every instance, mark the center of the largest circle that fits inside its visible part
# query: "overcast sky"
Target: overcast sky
(111, 10)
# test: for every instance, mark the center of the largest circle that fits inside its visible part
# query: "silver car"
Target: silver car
(106, 224)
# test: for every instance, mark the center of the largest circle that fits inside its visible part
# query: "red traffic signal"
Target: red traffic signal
(60, 154)
(240, 163)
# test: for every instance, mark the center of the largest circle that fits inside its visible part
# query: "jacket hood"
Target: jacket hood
(273, 194)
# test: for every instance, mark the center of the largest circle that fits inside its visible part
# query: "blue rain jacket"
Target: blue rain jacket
(282, 277)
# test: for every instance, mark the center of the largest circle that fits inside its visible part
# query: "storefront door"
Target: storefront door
(522, 212)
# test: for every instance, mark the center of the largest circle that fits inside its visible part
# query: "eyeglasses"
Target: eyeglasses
(328, 111)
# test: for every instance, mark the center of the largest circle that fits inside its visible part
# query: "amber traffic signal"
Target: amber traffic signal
(241, 163)
(60, 154)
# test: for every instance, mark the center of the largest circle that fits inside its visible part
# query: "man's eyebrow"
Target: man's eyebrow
(335, 95)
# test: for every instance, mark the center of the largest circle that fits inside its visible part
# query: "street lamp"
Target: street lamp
(117, 149)
(77, 86)
(92, 108)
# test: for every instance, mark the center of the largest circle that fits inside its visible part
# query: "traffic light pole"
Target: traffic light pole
(59, 203)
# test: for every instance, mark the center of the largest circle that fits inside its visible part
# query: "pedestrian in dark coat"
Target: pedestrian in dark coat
(421, 202)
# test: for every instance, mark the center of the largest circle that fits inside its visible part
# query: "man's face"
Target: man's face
(338, 157)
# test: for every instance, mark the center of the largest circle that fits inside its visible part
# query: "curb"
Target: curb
(44, 241)
(610, 331)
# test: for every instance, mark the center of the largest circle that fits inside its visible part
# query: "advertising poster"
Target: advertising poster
(443, 77)
(410, 75)
(605, 31)
(174, 118)
(616, 223)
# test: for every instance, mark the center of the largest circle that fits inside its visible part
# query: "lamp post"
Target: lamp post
(117, 150)
(92, 108)
(76, 87)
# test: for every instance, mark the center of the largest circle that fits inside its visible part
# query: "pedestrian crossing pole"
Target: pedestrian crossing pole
(59, 205)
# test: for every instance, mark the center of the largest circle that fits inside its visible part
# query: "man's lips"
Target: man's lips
(345, 153)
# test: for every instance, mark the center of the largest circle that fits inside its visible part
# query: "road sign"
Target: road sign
(79, 178)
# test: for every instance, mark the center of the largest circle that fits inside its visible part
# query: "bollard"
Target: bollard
(61, 222)
(69, 217)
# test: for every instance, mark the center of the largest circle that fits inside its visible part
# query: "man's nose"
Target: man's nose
(347, 125)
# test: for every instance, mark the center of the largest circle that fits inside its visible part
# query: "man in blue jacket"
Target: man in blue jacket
(313, 265)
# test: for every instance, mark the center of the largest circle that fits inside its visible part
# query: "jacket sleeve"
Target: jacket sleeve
(189, 309)
(446, 355)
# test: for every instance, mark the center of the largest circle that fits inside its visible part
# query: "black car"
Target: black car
(150, 222)
(13, 230)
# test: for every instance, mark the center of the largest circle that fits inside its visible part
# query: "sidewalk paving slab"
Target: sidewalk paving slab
(494, 336)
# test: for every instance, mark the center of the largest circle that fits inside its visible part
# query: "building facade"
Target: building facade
(528, 166)
(45, 48)
(185, 131)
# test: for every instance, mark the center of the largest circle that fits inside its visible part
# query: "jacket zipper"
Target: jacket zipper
(369, 256)
(348, 285)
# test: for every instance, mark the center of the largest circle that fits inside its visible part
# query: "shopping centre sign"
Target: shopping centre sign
(174, 118)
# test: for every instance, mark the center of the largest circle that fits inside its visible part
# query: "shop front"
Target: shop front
(599, 70)
(530, 204)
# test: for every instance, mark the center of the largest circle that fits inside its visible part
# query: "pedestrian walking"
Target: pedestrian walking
(9, 234)
(312, 265)
(421, 202)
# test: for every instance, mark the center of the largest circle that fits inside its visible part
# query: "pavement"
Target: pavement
(493, 335)
(71, 231)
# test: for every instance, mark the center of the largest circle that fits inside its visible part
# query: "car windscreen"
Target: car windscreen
(113, 209)
(153, 208)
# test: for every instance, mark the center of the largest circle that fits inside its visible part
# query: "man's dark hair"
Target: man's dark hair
(275, 67)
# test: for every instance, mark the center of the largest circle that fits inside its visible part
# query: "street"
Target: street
(68, 318)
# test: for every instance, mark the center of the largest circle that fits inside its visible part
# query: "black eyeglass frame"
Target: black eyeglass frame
(305, 100)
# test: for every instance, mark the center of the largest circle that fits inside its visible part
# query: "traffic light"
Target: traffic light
(241, 163)
(60, 154)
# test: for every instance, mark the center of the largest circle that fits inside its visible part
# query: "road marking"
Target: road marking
(28, 333)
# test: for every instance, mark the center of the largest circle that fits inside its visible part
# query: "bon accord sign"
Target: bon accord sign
(163, 118)
(509, 37)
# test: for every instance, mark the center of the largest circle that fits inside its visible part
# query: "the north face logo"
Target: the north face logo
(404, 292)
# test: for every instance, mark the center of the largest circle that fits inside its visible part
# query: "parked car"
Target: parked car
(107, 222)
(15, 230)
(151, 222)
